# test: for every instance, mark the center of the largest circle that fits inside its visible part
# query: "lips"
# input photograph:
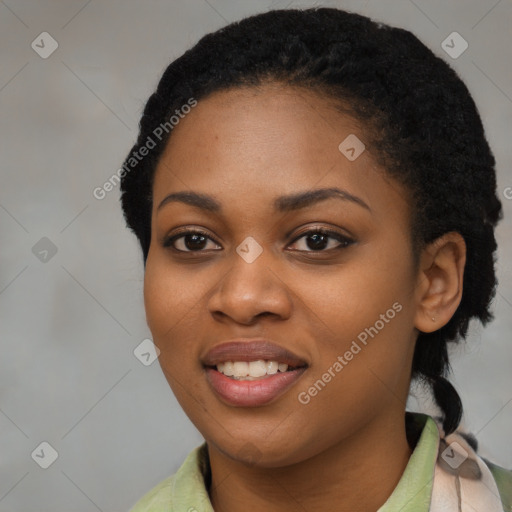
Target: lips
(252, 350)
(257, 391)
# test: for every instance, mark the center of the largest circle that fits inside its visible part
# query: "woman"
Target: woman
(315, 201)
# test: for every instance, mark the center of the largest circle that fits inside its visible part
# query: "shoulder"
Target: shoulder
(157, 499)
(184, 490)
(503, 478)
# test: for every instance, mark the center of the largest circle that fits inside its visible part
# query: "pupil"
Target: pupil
(319, 241)
(197, 241)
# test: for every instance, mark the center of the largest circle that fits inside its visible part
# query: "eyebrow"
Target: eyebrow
(281, 204)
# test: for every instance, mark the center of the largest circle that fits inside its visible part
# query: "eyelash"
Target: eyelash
(344, 240)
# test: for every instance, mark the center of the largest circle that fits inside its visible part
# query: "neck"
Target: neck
(359, 473)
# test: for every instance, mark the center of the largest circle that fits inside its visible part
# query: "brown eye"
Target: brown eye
(189, 241)
(320, 240)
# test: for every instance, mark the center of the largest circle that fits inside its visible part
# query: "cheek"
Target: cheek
(169, 315)
(353, 297)
(368, 312)
(169, 296)
(171, 300)
(167, 312)
(158, 302)
(174, 300)
(356, 380)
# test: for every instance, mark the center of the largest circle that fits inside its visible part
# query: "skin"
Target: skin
(245, 147)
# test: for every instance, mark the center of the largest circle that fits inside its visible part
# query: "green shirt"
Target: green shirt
(186, 491)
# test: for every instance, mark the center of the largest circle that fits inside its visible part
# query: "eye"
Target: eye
(316, 240)
(191, 240)
(322, 240)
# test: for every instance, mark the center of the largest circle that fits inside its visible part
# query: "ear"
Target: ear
(440, 278)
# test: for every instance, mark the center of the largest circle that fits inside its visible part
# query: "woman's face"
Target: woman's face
(254, 163)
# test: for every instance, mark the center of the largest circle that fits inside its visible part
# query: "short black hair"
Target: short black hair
(421, 122)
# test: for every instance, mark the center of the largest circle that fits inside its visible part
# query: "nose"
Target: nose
(248, 291)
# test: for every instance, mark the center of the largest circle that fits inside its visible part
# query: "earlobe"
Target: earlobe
(440, 281)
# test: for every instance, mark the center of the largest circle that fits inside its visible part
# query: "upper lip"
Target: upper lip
(251, 350)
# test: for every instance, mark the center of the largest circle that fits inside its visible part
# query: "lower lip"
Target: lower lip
(252, 393)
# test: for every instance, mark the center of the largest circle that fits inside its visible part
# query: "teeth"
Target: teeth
(229, 369)
(242, 370)
(272, 367)
(257, 368)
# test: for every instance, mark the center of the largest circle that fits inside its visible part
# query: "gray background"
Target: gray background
(69, 325)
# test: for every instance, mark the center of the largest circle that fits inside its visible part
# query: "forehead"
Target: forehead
(267, 141)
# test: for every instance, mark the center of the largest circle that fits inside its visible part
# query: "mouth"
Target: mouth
(253, 370)
(251, 373)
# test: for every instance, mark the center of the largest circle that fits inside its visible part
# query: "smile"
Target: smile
(251, 373)
(243, 370)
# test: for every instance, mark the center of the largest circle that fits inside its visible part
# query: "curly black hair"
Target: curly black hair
(421, 122)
